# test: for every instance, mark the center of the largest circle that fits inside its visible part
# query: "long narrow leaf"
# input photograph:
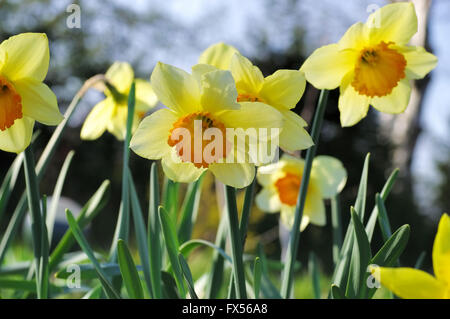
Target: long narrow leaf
(189, 210)
(257, 277)
(128, 270)
(187, 275)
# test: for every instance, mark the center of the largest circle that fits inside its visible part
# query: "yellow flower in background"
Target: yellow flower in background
(110, 114)
(372, 64)
(281, 184)
(410, 283)
(207, 97)
(281, 90)
(24, 61)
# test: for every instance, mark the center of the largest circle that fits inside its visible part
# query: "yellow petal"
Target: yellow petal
(354, 38)
(145, 96)
(409, 283)
(287, 217)
(352, 106)
(441, 251)
(237, 175)
(218, 91)
(294, 137)
(248, 77)
(265, 173)
(120, 75)
(179, 171)
(314, 206)
(283, 89)
(326, 67)
(27, 56)
(218, 55)
(17, 138)
(38, 101)
(199, 70)
(396, 102)
(117, 124)
(150, 138)
(268, 200)
(330, 175)
(396, 22)
(175, 88)
(418, 61)
(97, 120)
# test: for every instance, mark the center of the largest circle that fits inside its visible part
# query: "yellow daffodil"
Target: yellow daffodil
(111, 113)
(372, 64)
(24, 61)
(281, 90)
(206, 98)
(281, 183)
(410, 283)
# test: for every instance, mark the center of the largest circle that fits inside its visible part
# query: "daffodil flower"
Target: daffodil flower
(372, 64)
(24, 61)
(410, 283)
(111, 113)
(281, 184)
(210, 99)
(281, 90)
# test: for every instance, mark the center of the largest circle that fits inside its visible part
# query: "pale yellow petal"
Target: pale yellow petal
(199, 70)
(419, 62)
(145, 96)
(97, 120)
(265, 173)
(352, 106)
(218, 91)
(396, 102)
(17, 138)
(150, 138)
(38, 101)
(268, 200)
(409, 283)
(441, 251)
(283, 89)
(179, 171)
(117, 124)
(26, 56)
(237, 175)
(314, 206)
(396, 22)
(326, 67)
(175, 88)
(354, 38)
(293, 136)
(330, 175)
(248, 77)
(218, 55)
(120, 75)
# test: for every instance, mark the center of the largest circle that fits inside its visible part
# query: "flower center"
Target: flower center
(10, 104)
(199, 138)
(245, 97)
(378, 70)
(288, 188)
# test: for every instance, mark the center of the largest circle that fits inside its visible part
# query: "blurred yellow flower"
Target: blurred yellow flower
(410, 283)
(199, 103)
(24, 60)
(281, 184)
(281, 90)
(372, 63)
(111, 113)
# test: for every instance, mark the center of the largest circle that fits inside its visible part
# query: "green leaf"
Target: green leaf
(9, 182)
(94, 293)
(383, 218)
(420, 260)
(336, 292)
(336, 222)
(360, 258)
(169, 286)
(88, 271)
(128, 270)
(360, 203)
(187, 275)
(190, 245)
(93, 206)
(189, 210)
(153, 240)
(171, 241)
(107, 286)
(141, 234)
(50, 220)
(314, 272)
(170, 197)
(257, 271)
(268, 289)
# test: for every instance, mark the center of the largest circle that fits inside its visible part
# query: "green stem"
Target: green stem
(336, 223)
(236, 243)
(288, 272)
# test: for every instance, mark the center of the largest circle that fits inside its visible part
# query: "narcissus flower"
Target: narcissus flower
(111, 113)
(281, 184)
(410, 283)
(281, 90)
(372, 64)
(24, 61)
(202, 105)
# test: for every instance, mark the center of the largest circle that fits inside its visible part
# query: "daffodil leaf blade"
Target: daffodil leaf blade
(129, 272)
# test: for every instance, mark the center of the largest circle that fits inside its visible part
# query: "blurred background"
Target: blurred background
(273, 34)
